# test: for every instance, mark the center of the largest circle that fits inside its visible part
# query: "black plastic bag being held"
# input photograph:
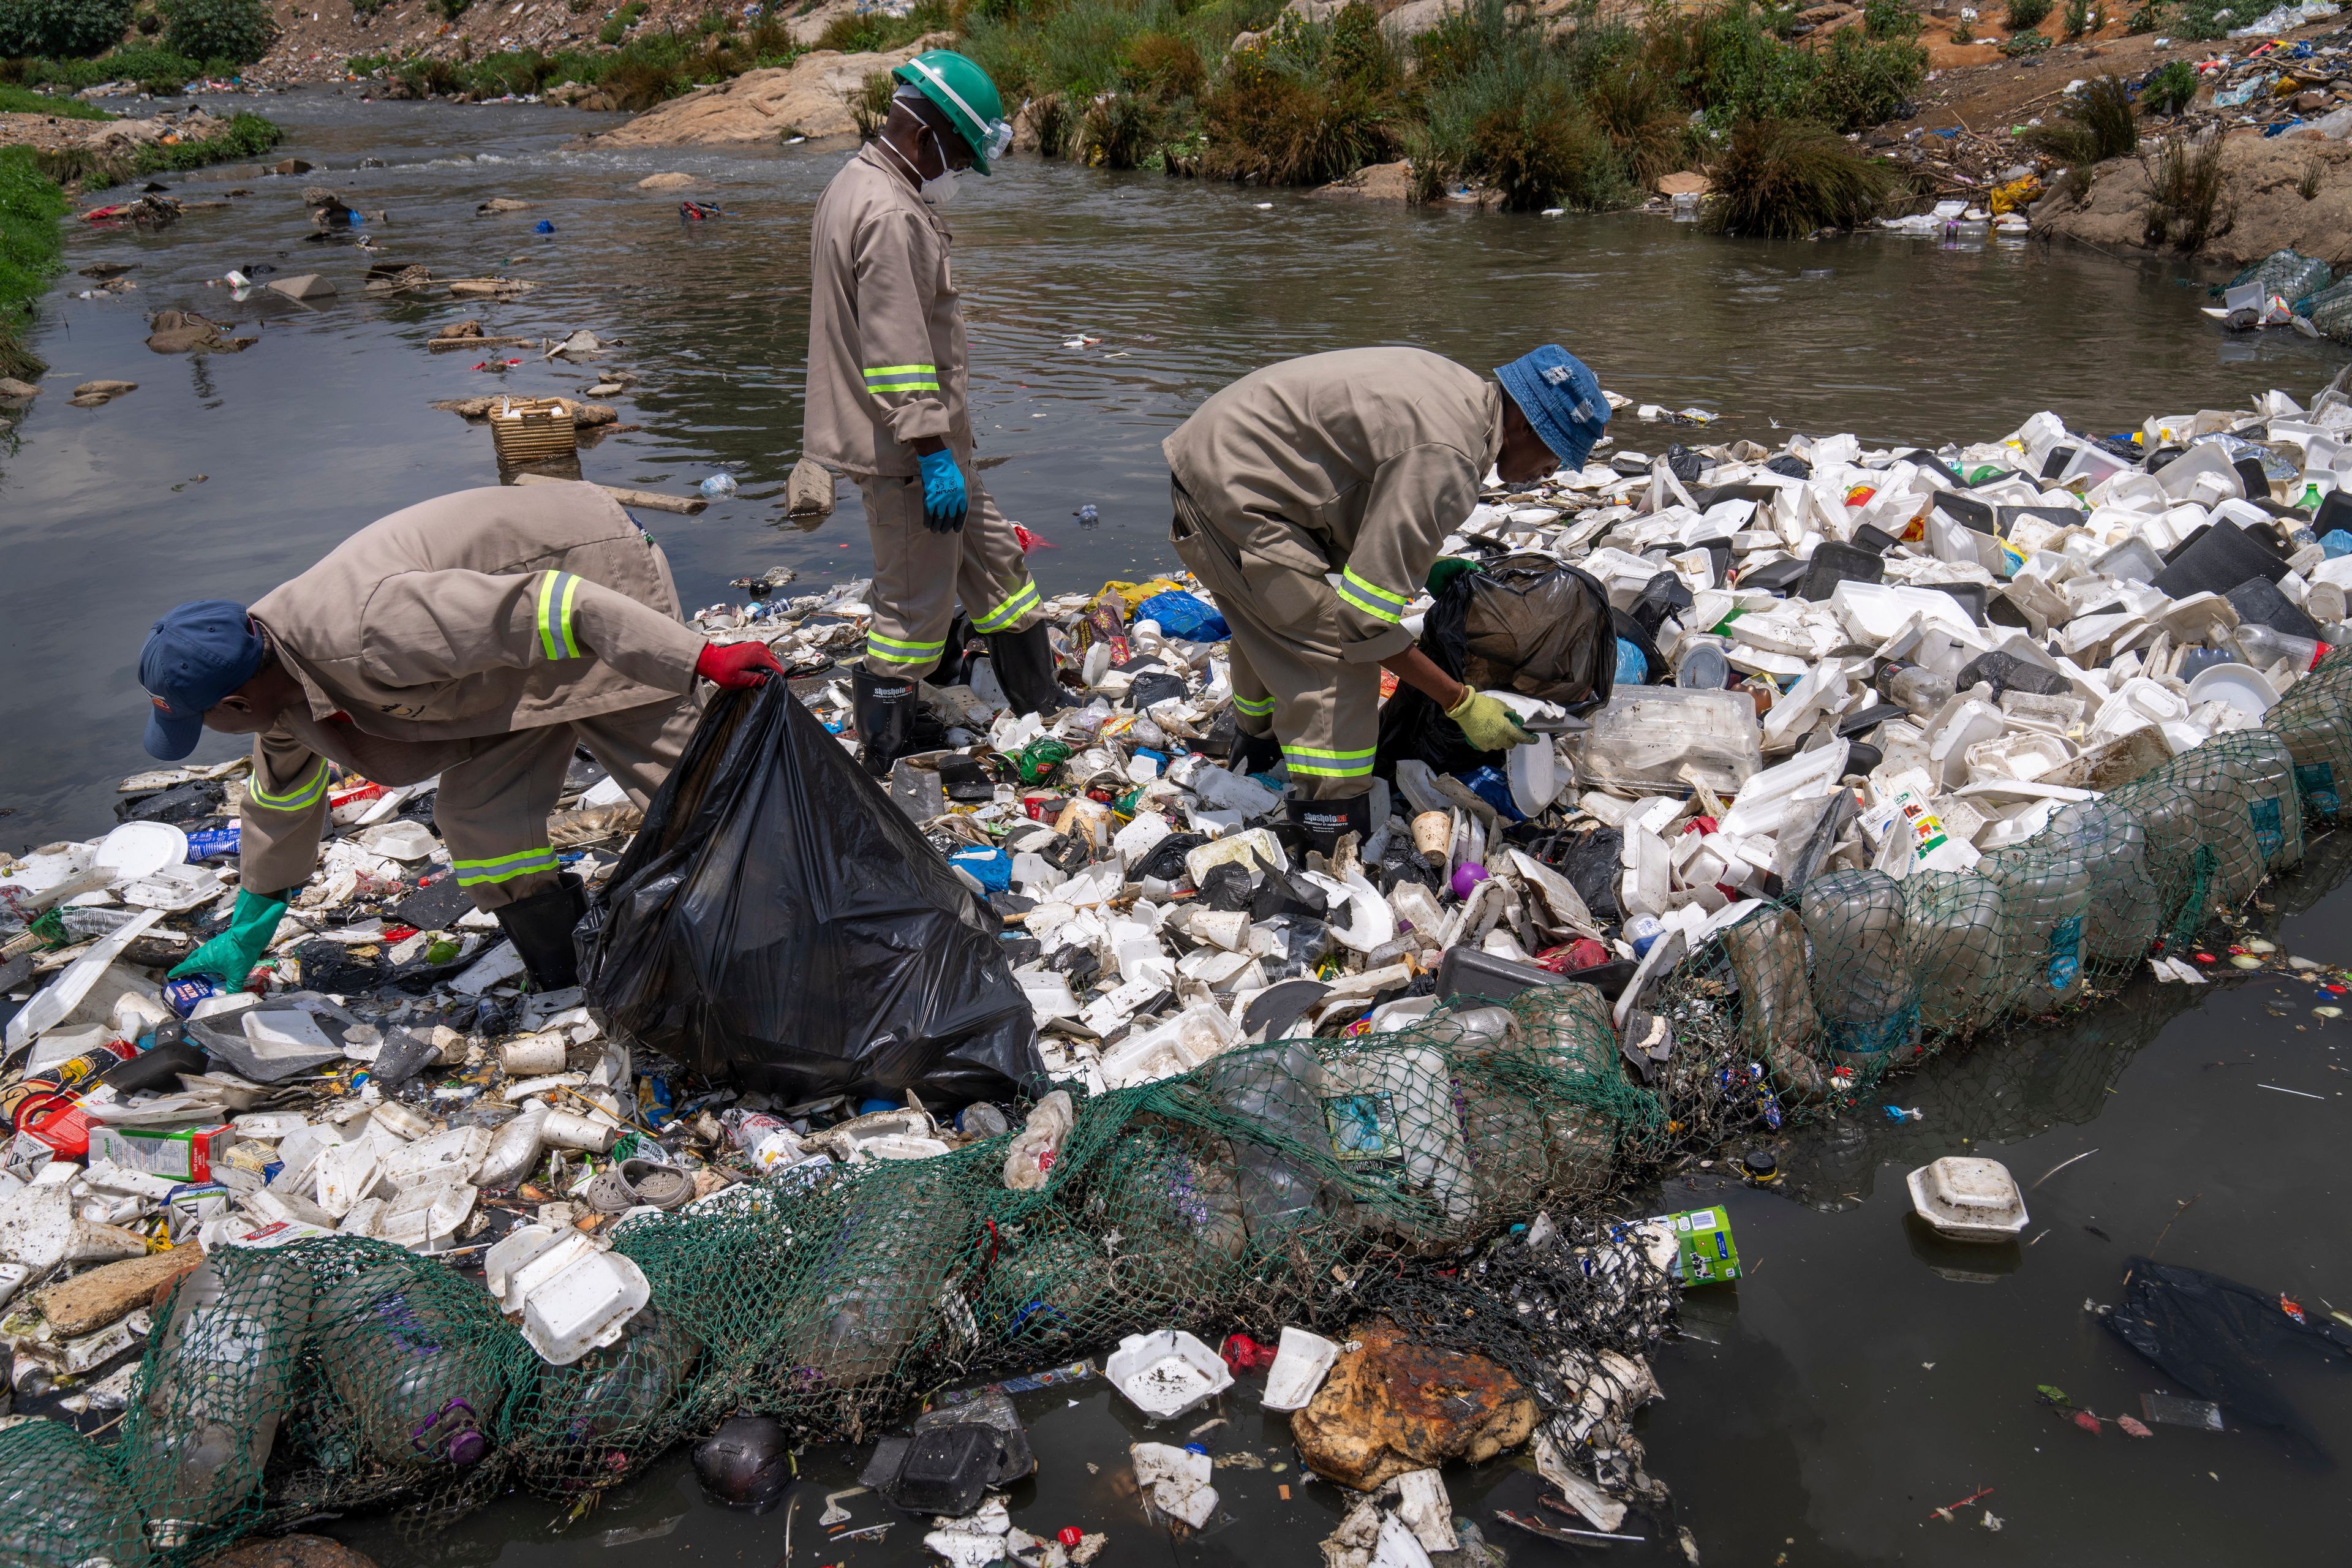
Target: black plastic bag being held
(779, 918)
(1524, 623)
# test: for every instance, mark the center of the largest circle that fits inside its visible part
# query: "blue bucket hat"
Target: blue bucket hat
(1562, 398)
(196, 654)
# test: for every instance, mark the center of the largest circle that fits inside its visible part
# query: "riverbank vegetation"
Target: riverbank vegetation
(1577, 111)
(162, 47)
(641, 72)
(30, 249)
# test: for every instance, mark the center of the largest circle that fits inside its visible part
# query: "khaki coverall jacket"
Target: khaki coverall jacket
(1358, 462)
(430, 635)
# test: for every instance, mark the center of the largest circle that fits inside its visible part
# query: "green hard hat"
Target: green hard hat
(963, 93)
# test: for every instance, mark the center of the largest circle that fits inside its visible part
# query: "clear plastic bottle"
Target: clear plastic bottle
(1775, 1006)
(2124, 910)
(1915, 687)
(424, 1385)
(1864, 986)
(2046, 885)
(61, 1503)
(1275, 1093)
(2263, 767)
(2263, 646)
(1955, 931)
(209, 1410)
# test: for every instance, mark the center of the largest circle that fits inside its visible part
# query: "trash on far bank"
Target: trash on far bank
(1969, 1198)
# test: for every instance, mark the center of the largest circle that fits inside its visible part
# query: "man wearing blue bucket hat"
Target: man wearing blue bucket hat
(1311, 498)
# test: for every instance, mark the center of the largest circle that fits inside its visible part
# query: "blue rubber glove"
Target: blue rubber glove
(944, 497)
(230, 956)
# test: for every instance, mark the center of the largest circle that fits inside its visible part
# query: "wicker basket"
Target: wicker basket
(531, 430)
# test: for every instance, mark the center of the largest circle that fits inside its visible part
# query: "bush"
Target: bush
(1057, 126)
(61, 28)
(2095, 125)
(1319, 100)
(1726, 62)
(1962, 33)
(870, 105)
(1890, 19)
(1644, 124)
(2184, 183)
(238, 30)
(2170, 88)
(1546, 152)
(1165, 66)
(2024, 13)
(1121, 131)
(873, 32)
(2019, 45)
(1782, 180)
(2147, 18)
(2082, 17)
(2204, 21)
(616, 27)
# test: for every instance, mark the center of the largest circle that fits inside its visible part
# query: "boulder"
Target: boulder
(1415, 18)
(1391, 1407)
(500, 204)
(2262, 206)
(1374, 182)
(292, 1551)
(185, 332)
(303, 286)
(90, 1300)
(809, 98)
(669, 182)
(1688, 183)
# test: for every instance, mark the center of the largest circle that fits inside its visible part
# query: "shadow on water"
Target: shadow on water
(1817, 1413)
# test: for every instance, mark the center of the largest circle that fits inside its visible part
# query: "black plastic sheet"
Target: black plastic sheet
(777, 918)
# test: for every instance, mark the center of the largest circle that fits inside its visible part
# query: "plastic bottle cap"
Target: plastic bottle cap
(1759, 1164)
(466, 1448)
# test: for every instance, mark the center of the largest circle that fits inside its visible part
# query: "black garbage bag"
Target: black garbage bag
(2238, 1346)
(1524, 623)
(779, 920)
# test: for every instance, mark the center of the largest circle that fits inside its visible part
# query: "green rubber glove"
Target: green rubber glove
(1443, 570)
(1486, 723)
(230, 956)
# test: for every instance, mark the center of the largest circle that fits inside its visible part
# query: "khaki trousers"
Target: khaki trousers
(919, 576)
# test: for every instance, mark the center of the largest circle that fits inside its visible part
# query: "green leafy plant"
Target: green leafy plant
(61, 28)
(239, 30)
(1962, 33)
(31, 252)
(2146, 18)
(2082, 17)
(1890, 19)
(2171, 89)
(872, 32)
(2205, 21)
(2017, 45)
(2020, 14)
(616, 27)
(1547, 151)
(869, 106)
(1782, 180)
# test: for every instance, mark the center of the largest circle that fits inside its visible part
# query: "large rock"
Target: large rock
(2261, 207)
(90, 1300)
(1415, 18)
(292, 1551)
(1373, 183)
(809, 98)
(1391, 1407)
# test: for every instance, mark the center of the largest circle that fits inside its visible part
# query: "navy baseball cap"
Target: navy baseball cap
(1562, 398)
(196, 654)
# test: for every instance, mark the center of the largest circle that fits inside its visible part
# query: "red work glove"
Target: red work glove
(737, 666)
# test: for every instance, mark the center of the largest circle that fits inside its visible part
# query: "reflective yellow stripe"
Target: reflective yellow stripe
(902, 370)
(544, 615)
(874, 638)
(903, 378)
(902, 386)
(893, 650)
(1359, 594)
(506, 867)
(571, 643)
(1399, 600)
(1011, 610)
(1255, 710)
(1323, 764)
(301, 797)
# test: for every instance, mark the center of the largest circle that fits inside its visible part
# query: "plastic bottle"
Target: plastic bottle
(209, 1410)
(1776, 1018)
(2047, 888)
(514, 1149)
(1864, 986)
(61, 1503)
(2264, 770)
(2263, 646)
(1956, 933)
(1915, 687)
(2123, 908)
(718, 485)
(422, 1382)
(603, 1406)
(1277, 1095)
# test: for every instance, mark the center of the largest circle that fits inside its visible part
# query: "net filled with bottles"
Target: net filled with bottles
(1254, 1191)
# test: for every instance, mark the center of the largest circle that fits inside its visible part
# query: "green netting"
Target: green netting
(2329, 310)
(2287, 272)
(339, 1372)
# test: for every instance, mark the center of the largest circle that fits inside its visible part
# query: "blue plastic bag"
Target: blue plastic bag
(1182, 615)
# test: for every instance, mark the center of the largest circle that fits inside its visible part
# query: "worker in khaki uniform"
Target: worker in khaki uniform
(1356, 463)
(886, 403)
(477, 637)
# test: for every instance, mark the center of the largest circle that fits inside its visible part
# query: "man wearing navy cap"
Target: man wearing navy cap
(1356, 463)
(477, 637)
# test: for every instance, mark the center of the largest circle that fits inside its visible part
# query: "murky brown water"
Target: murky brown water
(1852, 1384)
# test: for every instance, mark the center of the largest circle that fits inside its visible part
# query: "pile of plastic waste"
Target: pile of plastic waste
(1900, 744)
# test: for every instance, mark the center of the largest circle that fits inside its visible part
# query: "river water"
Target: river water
(1817, 1413)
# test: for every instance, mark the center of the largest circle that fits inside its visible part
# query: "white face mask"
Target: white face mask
(938, 192)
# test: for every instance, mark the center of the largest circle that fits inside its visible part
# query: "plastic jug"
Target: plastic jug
(2047, 886)
(1955, 930)
(2124, 910)
(424, 1383)
(1864, 988)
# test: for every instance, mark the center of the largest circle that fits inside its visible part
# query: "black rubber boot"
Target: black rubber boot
(955, 659)
(1024, 668)
(1327, 820)
(541, 928)
(1258, 753)
(886, 717)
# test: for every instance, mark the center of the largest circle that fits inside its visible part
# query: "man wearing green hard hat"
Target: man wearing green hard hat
(886, 404)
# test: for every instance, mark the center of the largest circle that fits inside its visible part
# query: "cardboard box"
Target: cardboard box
(183, 1154)
(1708, 1255)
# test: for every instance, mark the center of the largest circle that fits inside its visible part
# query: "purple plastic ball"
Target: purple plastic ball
(1466, 876)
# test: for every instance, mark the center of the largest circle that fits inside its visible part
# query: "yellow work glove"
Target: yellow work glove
(1486, 723)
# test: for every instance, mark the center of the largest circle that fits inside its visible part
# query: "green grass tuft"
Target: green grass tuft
(1782, 180)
